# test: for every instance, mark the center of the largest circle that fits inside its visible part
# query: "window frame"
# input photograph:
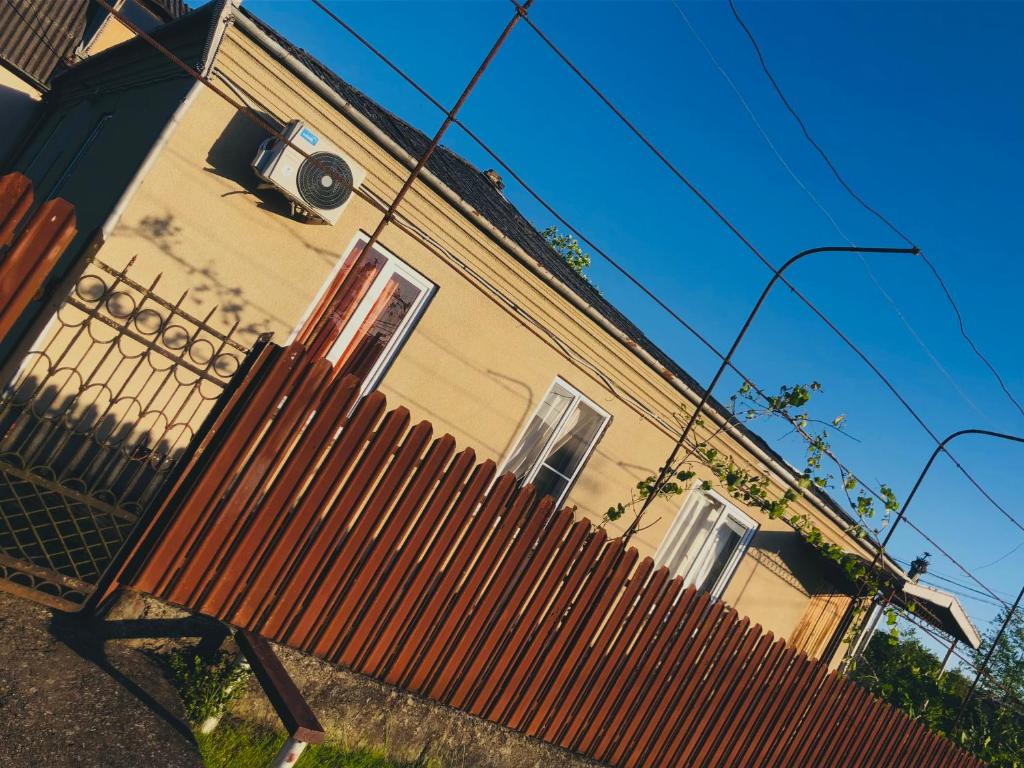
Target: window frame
(577, 398)
(728, 511)
(393, 265)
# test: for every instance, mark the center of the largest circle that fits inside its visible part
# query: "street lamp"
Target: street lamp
(665, 471)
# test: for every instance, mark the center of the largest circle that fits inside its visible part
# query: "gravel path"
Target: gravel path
(71, 699)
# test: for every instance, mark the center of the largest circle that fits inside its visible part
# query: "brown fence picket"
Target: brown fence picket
(32, 256)
(354, 535)
(16, 197)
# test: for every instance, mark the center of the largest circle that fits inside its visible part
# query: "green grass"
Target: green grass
(241, 745)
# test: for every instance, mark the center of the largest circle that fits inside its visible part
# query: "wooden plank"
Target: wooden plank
(719, 706)
(790, 670)
(639, 642)
(424, 577)
(650, 665)
(512, 701)
(237, 434)
(881, 744)
(261, 592)
(241, 527)
(257, 548)
(897, 748)
(477, 561)
(659, 729)
(289, 703)
(306, 601)
(409, 561)
(528, 517)
(498, 632)
(855, 704)
(595, 604)
(795, 705)
(516, 651)
(854, 748)
(431, 615)
(358, 560)
(16, 198)
(148, 552)
(811, 726)
(587, 676)
(319, 517)
(32, 257)
(382, 565)
(750, 697)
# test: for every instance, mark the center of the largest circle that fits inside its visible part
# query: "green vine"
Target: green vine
(755, 490)
(568, 247)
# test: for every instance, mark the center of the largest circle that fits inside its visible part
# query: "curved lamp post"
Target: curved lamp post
(940, 448)
(664, 473)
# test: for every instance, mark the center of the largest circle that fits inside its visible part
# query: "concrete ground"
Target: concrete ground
(77, 695)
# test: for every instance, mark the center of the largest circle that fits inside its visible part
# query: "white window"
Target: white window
(558, 441)
(706, 542)
(365, 311)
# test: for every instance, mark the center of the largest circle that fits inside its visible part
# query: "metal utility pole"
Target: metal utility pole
(666, 470)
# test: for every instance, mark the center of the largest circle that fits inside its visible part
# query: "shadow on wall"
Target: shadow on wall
(231, 157)
(207, 289)
(18, 109)
(106, 454)
(788, 557)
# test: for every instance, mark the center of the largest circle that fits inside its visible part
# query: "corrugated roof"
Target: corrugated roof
(171, 8)
(37, 35)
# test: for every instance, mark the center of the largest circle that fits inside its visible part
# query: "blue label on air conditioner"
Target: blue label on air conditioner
(309, 136)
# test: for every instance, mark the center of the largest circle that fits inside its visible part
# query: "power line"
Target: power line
(946, 577)
(753, 249)
(423, 92)
(963, 569)
(863, 203)
(258, 120)
(1000, 558)
(827, 214)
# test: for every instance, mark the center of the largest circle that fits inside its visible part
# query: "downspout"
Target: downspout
(781, 471)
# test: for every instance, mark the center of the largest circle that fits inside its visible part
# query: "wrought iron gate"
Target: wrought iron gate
(92, 424)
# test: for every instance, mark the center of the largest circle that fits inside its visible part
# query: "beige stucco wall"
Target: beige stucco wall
(471, 367)
(111, 33)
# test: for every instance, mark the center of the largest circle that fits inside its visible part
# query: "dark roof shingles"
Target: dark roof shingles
(471, 185)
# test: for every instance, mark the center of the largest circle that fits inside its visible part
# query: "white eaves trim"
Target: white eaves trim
(949, 608)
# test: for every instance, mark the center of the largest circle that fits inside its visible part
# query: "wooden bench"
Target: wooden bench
(296, 716)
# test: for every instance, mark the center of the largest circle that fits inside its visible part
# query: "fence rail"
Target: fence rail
(360, 538)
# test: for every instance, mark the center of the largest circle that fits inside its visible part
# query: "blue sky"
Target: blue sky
(917, 103)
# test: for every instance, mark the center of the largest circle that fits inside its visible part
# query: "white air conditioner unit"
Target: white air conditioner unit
(319, 178)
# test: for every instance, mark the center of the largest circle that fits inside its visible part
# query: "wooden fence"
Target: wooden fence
(363, 540)
(29, 253)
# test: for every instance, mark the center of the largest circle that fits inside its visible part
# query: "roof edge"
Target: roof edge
(787, 474)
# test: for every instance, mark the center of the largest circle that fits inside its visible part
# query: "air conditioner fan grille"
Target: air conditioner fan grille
(324, 180)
